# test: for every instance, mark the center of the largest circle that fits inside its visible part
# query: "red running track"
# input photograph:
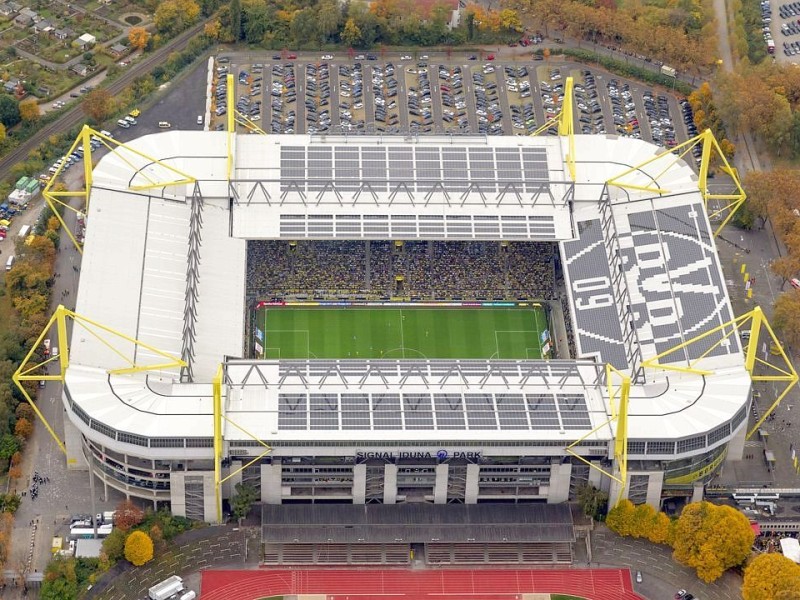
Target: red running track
(398, 584)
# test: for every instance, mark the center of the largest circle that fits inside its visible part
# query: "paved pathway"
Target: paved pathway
(661, 575)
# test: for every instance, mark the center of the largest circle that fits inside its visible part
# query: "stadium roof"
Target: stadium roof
(641, 269)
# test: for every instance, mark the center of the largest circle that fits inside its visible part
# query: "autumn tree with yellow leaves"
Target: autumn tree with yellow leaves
(138, 548)
(711, 539)
(706, 537)
(771, 577)
(138, 37)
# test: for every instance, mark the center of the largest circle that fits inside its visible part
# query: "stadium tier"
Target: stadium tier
(399, 320)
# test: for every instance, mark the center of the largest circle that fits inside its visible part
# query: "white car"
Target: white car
(405, 57)
(327, 57)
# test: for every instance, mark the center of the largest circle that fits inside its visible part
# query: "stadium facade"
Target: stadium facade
(167, 266)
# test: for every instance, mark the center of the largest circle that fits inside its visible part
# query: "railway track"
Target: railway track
(75, 115)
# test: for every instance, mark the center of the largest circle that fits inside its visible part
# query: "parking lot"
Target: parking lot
(439, 96)
(781, 29)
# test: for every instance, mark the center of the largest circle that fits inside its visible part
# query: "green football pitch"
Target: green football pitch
(487, 333)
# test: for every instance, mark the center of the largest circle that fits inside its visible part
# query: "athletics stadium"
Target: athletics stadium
(402, 342)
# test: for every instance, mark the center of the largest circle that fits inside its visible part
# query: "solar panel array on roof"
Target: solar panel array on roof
(420, 226)
(432, 411)
(421, 168)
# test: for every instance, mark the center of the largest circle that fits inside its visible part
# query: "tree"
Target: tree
(712, 539)
(785, 267)
(23, 429)
(114, 545)
(9, 111)
(24, 411)
(771, 577)
(29, 111)
(593, 502)
(173, 16)
(138, 548)
(328, 19)
(159, 545)
(2, 132)
(213, 29)
(127, 515)
(236, 20)
(138, 37)
(98, 105)
(786, 316)
(242, 502)
(351, 34)
(60, 582)
(8, 446)
(620, 518)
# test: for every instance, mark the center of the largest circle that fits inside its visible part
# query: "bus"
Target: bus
(87, 533)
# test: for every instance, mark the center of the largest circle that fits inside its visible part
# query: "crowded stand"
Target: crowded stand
(435, 270)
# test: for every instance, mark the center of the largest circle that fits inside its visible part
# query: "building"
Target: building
(117, 50)
(80, 69)
(26, 18)
(43, 26)
(85, 41)
(166, 266)
(63, 34)
(6, 11)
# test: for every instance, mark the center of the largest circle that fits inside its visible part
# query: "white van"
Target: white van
(24, 231)
(10, 262)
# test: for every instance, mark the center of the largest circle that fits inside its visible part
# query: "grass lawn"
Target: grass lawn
(354, 332)
(565, 597)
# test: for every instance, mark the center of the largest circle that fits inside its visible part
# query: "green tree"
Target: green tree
(771, 577)
(256, 21)
(712, 539)
(9, 111)
(236, 20)
(328, 17)
(138, 548)
(8, 446)
(114, 545)
(60, 581)
(243, 501)
(304, 27)
(593, 502)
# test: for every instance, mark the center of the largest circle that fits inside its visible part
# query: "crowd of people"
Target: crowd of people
(435, 270)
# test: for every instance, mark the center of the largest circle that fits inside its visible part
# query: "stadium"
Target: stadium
(441, 327)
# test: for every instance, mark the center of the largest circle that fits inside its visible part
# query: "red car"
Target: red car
(291, 56)
(490, 57)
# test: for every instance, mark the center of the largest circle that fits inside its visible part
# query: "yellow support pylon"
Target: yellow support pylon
(566, 125)
(218, 443)
(29, 371)
(756, 320)
(618, 398)
(231, 128)
(709, 142)
(53, 198)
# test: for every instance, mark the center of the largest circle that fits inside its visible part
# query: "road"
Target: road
(75, 115)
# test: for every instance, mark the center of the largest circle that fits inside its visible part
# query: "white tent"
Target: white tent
(791, 549)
